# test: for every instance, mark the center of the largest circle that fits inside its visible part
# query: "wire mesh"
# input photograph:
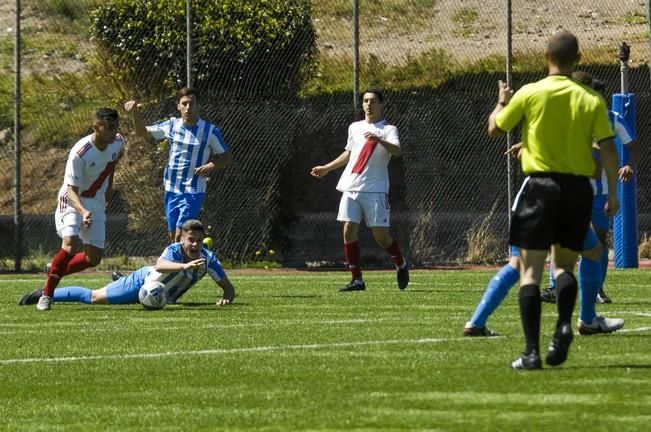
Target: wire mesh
(437, 60)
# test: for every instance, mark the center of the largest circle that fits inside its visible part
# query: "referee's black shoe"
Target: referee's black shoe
(402, 275)
(560, 345)
(528, 361)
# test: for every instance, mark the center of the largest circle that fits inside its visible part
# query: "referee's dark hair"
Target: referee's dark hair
(563, 49)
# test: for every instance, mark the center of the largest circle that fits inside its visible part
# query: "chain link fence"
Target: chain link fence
(437, 60)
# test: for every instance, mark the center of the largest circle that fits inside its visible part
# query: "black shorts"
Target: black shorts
(551, 208)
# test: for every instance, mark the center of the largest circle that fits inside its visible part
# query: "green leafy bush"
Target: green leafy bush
(240, 47)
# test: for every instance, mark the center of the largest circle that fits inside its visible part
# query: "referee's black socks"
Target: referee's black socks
(530, 316)
(566, 290)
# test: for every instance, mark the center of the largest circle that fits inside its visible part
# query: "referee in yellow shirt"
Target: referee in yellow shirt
(560, 119)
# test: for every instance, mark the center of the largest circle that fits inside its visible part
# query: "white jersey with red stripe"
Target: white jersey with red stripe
(374, 174)
(89, 169)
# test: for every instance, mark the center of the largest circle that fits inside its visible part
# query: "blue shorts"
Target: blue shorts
(125, 290)
(599, 218)
(179, 207)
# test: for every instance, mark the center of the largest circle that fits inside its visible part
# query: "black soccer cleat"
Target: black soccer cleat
(31, 298)
(402, 275)
(548, 295)
(560, 345)
(474, 331)
(354, 285)
(116, 275)
(528, 362)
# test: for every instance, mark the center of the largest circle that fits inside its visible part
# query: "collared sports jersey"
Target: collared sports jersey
(600, 186)
(560, 119)
(177, 283)
(374, 173)
(189, 148)
(89, 169)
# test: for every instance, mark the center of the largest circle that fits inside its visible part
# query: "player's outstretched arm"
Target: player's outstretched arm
(322, 170)
(229, 292)
(165, 266)
(133, 107)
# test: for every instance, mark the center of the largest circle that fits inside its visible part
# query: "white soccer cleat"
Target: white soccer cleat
(44, 303)
(600, 324)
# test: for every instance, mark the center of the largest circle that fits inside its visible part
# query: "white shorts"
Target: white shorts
(68, 224)
(372, 206)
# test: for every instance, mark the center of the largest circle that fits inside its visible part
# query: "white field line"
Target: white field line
(266, 348)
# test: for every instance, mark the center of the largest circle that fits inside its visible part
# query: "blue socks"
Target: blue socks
(73, 294)
(604, 266)
(495, 292)
(590, 277)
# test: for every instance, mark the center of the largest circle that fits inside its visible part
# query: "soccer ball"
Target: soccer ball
(152, 295)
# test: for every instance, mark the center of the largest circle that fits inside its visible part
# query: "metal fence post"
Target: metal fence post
(18, 218)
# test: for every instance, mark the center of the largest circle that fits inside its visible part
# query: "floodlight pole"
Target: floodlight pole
(188, 39)
(18, 216)
(509, 83)
(356, 57)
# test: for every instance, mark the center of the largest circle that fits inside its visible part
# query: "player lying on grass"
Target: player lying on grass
(179, 268)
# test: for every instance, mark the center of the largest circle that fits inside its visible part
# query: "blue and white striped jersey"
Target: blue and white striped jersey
(189, 148)
(625, 136)
(177, 283)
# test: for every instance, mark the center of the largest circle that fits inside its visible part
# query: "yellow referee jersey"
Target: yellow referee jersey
(560, 120)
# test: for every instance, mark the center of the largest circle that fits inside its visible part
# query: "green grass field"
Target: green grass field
(294, 354)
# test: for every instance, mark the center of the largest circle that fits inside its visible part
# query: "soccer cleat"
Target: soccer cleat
(402, 275)
(548, 295)
(31, 298)
(44, 303)
(116, 275)
(528, 362)
(354, 285)
(602, 297)
(600, 324)
(471, 330)
(560, 345)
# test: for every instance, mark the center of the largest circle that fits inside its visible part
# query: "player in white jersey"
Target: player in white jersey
(194, 143)
(365, 187)
(180, 266)
(80, 213)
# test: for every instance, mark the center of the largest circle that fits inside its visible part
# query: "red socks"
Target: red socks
(78, 263)
(57, 271)
(63, 264)
(396, 256)
(352, 256)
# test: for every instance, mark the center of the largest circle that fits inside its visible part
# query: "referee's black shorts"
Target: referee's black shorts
(551, 208)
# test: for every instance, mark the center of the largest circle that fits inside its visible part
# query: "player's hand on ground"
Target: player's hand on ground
(131, 105)
(194, 264)
(224, 301)
(319, 171)
(626, 173)
(612, 205)
(505, 93)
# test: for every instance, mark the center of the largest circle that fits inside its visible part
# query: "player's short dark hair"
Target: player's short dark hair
(108, 115)
(563, 49)
(599, 85)
(583, 77)
(192, 225)
(376, 91)
(187, 91)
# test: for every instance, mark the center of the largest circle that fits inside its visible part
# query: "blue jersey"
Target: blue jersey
(189, 148)
(125, 290)
(177, 283)
(625, 136)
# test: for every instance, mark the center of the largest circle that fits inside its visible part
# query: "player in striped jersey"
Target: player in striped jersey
(194, 143)
(365, 187)
(180, 266)
(81, 209)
